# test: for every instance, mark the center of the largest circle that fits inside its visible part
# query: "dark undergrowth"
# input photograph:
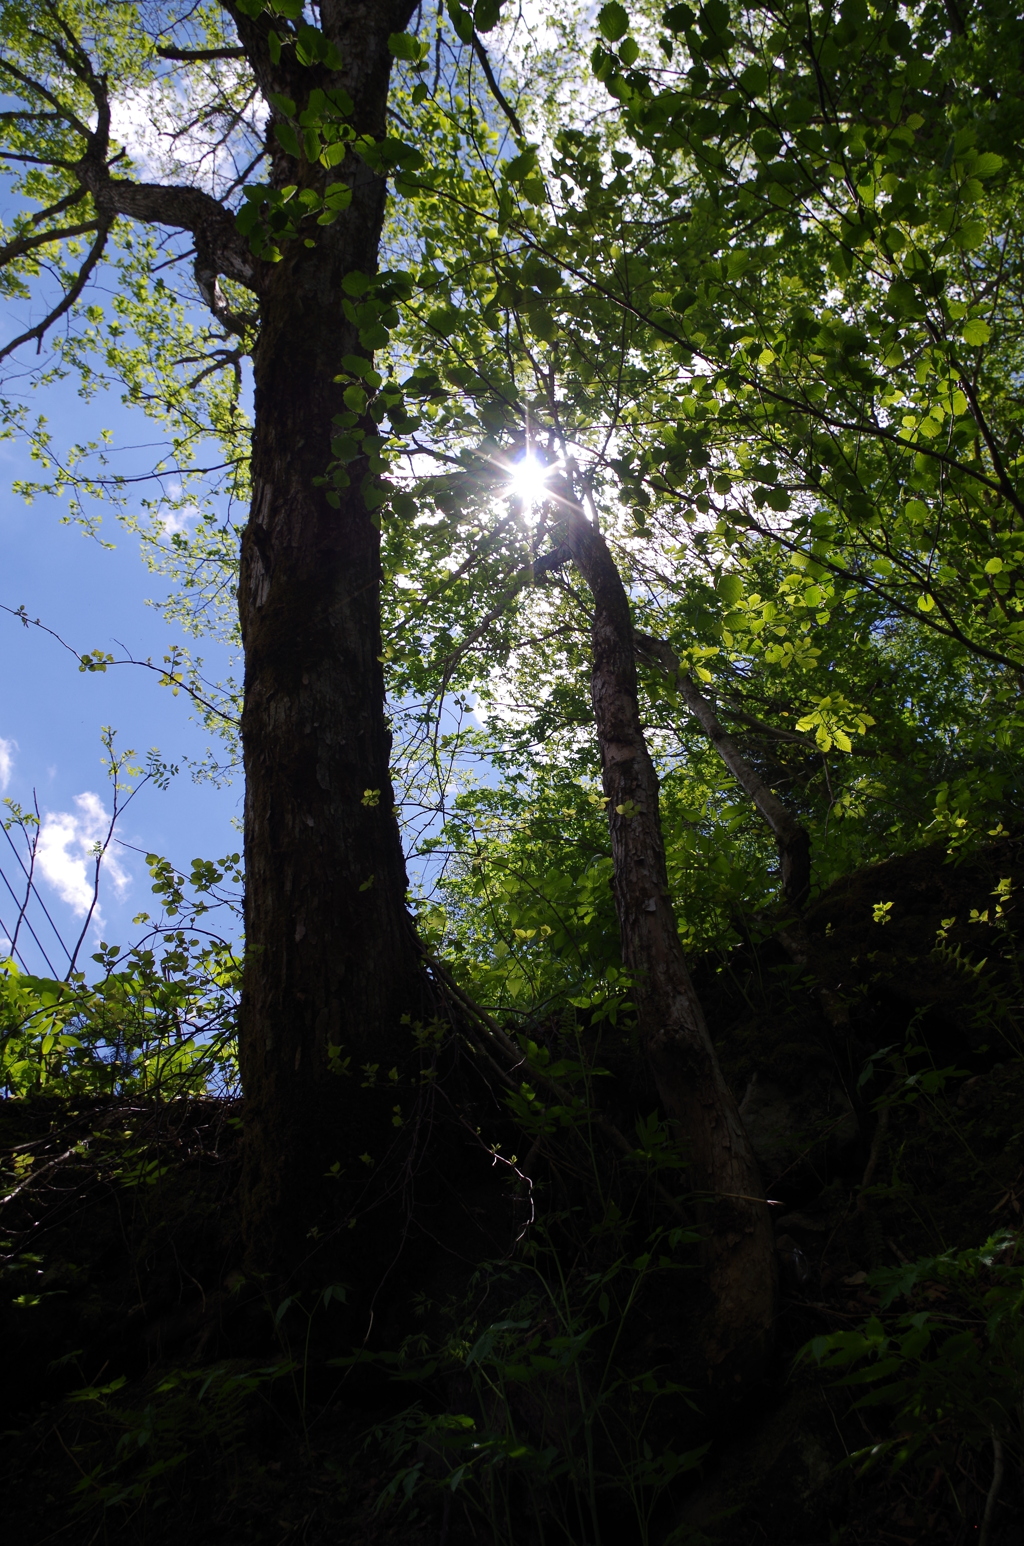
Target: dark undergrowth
(549, 1395)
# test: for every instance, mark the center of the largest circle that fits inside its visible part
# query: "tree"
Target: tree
(287, 267)
(739, 1253)
(331, 960)
(866, 431)
(760, 309)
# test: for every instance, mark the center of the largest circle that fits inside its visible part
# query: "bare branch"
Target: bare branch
(777, 734)
(13, 155)
(21, 918)
(118, 808)
(185, 55)
(496, 91)
(164, 671)
(70, 297)
(67, 202)
(35, 86)
(31, 889)
(23, 244)
(205, 270)
(220, 248)
(23, 113)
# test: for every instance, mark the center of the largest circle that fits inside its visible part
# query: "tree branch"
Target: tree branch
(23, 244)
(496, 91)
(81, 280)
(220, 248)
(165, 671)
(791, 736)
(185, 55)
(34, 86)
(791, 838)
(67, 202)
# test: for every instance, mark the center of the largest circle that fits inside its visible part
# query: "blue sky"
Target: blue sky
(51, 714)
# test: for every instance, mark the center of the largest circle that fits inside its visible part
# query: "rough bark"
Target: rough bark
(739, 1254)
(331, 961)
(331, 964)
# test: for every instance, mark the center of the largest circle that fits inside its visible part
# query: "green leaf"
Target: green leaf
(486, 14)
(287, 137)
(375, 336)
(518, 168)
(971, 235)
(730, 588)
(677, 18)
(402, 45)
(613, 21)
(333, 154)
(715, 17)
(976, 331)
(461, 21)
(443, 321)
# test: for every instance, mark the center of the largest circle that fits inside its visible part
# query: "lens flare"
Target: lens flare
(528, 480)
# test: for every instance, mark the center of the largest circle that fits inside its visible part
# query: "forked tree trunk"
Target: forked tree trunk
(331, 961)
(738, 1248)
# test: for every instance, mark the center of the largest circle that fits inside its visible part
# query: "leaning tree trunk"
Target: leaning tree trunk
(738, 1246)
(791, 838)
(331, 964)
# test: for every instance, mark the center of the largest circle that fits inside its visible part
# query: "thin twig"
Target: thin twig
(493, 1030)
(128, 660)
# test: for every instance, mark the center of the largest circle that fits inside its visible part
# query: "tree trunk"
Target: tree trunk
(739, 1255)
(791, 838)
(331, 964)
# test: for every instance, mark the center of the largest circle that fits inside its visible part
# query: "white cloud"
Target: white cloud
(7, 750)
(181, 519)
(66, 854)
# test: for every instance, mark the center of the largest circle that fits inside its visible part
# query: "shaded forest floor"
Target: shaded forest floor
(152, 1394)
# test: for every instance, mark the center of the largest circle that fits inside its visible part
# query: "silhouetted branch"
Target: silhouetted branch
(186, 55)
(496, 91)
(70, 297)
(90, 662)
